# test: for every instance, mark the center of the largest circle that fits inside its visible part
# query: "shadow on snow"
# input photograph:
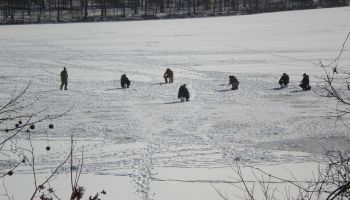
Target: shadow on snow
(277, 88)
(225, 90)
(161, 83)
(295, 91)
(109, 89)
(173, 102)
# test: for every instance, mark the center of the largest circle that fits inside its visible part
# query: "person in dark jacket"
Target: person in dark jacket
(64, 78)
(284, 80)
(183, 93)
(124, 81)
(169, 74)
(234, 82)
(305, 83)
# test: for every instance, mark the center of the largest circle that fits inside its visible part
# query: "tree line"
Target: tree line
(51, 11)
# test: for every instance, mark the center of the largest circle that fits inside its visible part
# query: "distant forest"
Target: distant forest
(54, 11)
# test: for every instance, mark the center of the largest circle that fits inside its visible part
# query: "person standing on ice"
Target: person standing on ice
(124, 81)
(305, 83)
(64, 78)
(169, 74)
(234, 82)
(183, 93)
(284, 80)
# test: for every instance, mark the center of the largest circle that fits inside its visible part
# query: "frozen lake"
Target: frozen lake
(141, 143)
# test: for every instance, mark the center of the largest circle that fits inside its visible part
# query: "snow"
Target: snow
(141, 143)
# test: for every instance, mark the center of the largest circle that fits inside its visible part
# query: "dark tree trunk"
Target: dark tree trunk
(29, 7)
(6, 9)
(86, 6)
(206, 4)
(188, 7)
(161, 6)
(49, 7)
(194, 6)
(58, 7)
(135, 6)
(12, 10)
(233, 2)
(220, 7)
(214, 7)
(102, 6)
(124, 8)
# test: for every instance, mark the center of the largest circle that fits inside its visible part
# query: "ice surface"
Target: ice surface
(141, 143)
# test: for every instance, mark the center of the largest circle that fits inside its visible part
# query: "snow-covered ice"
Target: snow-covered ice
(141, 143)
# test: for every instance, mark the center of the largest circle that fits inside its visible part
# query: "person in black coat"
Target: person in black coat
(183, 93)
(124, 81)
(284, 80)
(304, 84)
(169, 74)
(64, 78)
(234, 82)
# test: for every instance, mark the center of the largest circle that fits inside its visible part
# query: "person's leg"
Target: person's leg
(65, 85)
(234, 86)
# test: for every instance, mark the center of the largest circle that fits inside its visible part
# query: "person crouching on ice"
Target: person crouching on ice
(284, 80)
(305, 83)
(234, 82)
(183, 93)
(124, 81)
(169, 74)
